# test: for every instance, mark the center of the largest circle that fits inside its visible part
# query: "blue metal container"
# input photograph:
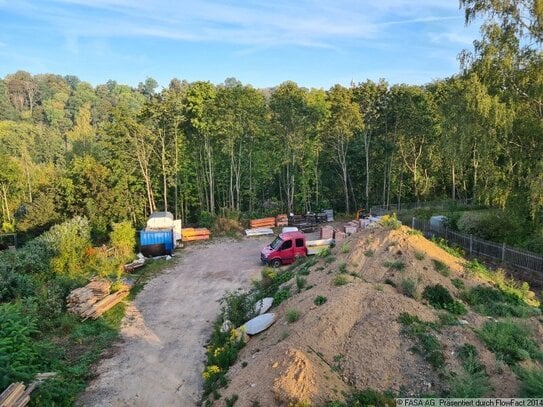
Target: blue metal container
(156, 242)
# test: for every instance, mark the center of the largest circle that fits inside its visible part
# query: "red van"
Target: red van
(285, 249)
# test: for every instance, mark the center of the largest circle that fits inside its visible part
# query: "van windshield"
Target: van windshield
(276, 244)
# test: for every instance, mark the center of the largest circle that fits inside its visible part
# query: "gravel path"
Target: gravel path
(159, 359)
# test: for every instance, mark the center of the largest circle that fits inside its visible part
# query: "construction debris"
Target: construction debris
(258, 232)
(94, 299)
(191, 234)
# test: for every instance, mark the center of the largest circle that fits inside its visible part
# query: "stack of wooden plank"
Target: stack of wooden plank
(351, 227)
(190, 234)
(327, 232)
(105, 304)
(16, 395)
(281, 220)
(262, 223)
(81, 299)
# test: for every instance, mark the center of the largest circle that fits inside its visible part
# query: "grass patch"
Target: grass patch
(293, 315)
(455, 251)
(409, 287)
(441, 268)
(343, 268)
(301, 283)
(324, 252)
(531, 382)
(492, 302)
(320, 299)
(330, 259)
(414, 232)
(440, 298)
(390, 282)
(510, 341)
(339, 280)
(420, 255)
(396, 265)
(506, 285)
(345, 247)
(456, 282)
(369, 253)
(473, 381)
(427, 345)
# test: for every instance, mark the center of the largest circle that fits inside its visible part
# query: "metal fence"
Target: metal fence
(478, 247)
(403, 206)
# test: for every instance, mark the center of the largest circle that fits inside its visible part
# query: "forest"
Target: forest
(112, 152)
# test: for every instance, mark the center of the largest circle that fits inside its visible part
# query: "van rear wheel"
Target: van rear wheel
(276, 263)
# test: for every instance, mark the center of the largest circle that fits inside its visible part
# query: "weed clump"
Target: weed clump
(409, 288)
(510, 341)
(492, 302)
(428, 345)
(420, 255)
(339, 280)
(397, 265)
(441, 268)
(293, 315)
(440, 298)
(320, 299)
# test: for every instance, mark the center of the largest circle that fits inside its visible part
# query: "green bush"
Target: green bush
(300, 283)
(440, 298)
(293, 315)
(123, 239)
(268, 276)
(390, 221)
(237, 307)
(511, 342)
(281, 295)
(458, 283)
(324, 252)
(69, 240)
(340, 279)
(13, 285)
(345, 247)
(18, 354)
(206, 220)
(419, 255)
(491, 302)
(320, 299)
(409, 287)
(531, 382)
(369, 397)
(343, 268)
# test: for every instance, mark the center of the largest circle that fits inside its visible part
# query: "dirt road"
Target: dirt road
(159, 359)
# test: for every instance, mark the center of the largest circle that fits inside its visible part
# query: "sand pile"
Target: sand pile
(354, 340)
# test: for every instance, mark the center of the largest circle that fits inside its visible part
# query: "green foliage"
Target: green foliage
(339, 280)
(420, 255)
(492, 302)
(396, 264)
(369, 253)
(69, 241)
(342, 268)
(268, 276)
(300, 283)
(428, 345)
(123, 239)
(531, 382)
(439, 297)
(345, 247)
(507, 286)
(18, 353)
(409, 287)
(370, 397)
(281, 295)
(441, 268)
(206, 220)
(390, 221)
(324, 253)
(452, 250)
(320, 300)
(293, 315)
(237, 307)
(458, 283)
(230, 401)
(510, 341)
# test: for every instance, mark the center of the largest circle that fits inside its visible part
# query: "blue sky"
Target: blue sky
(315, 43)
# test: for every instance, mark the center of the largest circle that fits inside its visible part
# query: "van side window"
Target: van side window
(287, 245)
(299, 242)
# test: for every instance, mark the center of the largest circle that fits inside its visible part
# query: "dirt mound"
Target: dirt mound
(354, 339)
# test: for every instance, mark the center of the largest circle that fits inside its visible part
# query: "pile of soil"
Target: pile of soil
(354, 340)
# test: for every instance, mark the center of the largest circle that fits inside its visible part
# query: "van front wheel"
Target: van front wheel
(276, 263)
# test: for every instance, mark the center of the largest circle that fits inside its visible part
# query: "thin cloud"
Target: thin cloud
(307, 23)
